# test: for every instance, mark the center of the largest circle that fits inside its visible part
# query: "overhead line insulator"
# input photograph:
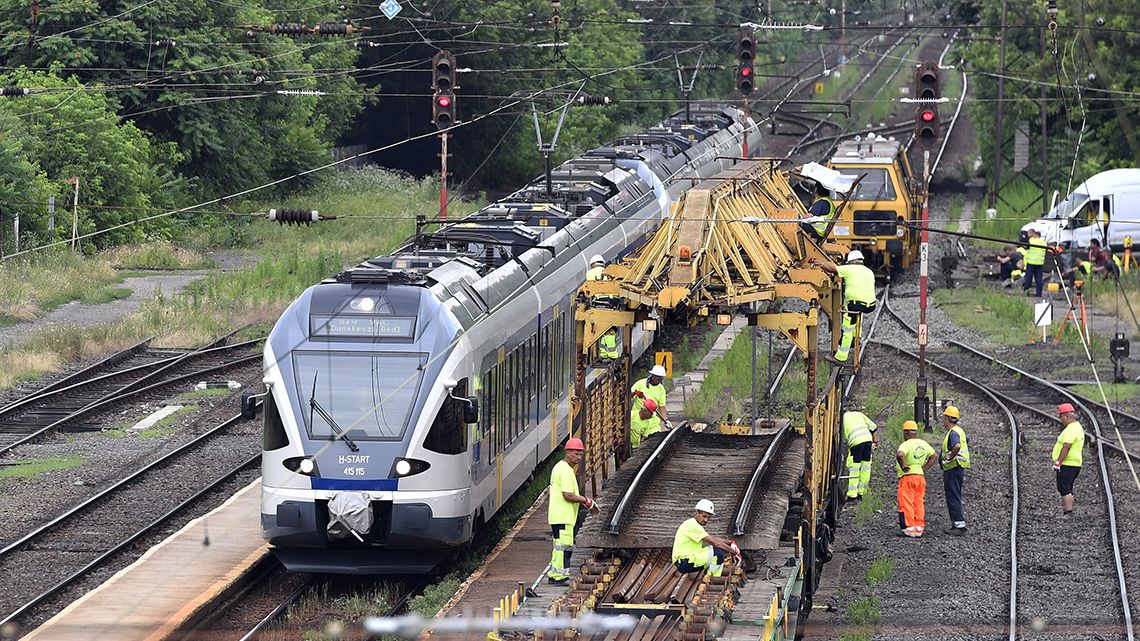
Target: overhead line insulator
(13, 92)
(295, 216)
(591, 101)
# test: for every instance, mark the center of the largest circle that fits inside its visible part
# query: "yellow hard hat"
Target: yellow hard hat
(910, 426)
(951, 411)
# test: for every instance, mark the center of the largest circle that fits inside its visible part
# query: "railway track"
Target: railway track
(1048, 557)
(75, 544)
(132, 374)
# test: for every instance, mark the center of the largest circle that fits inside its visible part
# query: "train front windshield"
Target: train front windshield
(876, 184)
(370, 396)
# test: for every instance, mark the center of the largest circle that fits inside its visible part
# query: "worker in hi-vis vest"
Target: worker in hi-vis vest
(608, 345)
(695, 549)
(913, 458)
(650, 387)
(597, 266)
(562, 513)
(1067, 457)
(955, 460)
(859, 432)
(822, 210)
(858, 298)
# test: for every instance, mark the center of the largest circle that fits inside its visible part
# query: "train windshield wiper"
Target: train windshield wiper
(314, 406)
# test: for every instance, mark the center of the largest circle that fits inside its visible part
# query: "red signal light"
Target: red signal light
(444, 101)
(746, 71)
(927, 116)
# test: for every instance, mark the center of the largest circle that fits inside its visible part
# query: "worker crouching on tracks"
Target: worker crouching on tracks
(1067, 455)
(858, 298)
(913, 458)
(695, 549)
(643, 423)
(562, 513)
(650, 387)
(859, 432)
(955, 460)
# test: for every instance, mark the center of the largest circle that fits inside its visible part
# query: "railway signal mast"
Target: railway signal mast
(927, 92)
(443, 114)
(745, 74)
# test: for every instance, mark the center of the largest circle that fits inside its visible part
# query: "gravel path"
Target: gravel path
(941, 586)
(77, 314)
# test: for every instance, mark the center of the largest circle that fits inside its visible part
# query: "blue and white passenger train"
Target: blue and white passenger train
(410, 396)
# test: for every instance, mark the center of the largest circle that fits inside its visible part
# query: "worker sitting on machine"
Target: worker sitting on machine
(695, 549)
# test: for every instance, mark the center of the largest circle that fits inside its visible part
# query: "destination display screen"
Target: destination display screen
(362, 326)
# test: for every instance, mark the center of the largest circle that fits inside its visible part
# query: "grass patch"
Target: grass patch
(292, 260)
(1020, 203)
(36, 469)
(33, 285)
(160, 254)
(1114, 391)
(731, 370)
(856, 636)
(868, 507)
(209, 392)
(343, 612)
(865, 612)
(1002, 318)
(165, 425)
(880, 570)
(435, 596)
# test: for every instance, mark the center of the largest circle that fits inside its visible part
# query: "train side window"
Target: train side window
(541, 359)
(490, 404)
(273, 435)
(562, 362)
(512, 396)
(448, 433)
(532, 374)
(559, 347)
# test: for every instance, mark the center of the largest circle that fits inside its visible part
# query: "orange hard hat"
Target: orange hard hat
(575, 444)
(651, 405)
(1065, 408)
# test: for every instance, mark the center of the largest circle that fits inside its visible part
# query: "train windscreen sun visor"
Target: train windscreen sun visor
(369, 396)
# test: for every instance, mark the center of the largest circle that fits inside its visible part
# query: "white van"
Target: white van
(1110, 198)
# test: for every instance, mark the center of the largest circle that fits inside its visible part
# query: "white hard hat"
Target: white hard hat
(597, 258)
(705, 505)
(854, 256)
(658, 370)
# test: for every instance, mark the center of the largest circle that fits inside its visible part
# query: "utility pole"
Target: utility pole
(74, 180)
(998, 133)
(1044, 138)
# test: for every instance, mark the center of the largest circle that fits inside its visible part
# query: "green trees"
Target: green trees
(1088, 84)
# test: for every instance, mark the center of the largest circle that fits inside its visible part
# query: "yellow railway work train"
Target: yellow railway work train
(888, 194)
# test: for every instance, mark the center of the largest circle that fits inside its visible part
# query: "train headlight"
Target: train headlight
(363, 304)
(402, 467)
(302, 465)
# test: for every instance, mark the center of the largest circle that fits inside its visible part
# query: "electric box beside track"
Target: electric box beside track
(885, 202)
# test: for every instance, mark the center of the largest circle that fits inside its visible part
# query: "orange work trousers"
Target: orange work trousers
(912, 504)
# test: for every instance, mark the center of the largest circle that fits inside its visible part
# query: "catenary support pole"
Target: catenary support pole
(443, 176)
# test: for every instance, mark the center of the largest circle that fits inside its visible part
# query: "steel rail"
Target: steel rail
(59, 389)
(1097, 439)
(120, 546)
(79, 376)
(165, 458)
(122, 397)
(280, 610)
(655, 460)
(745, 508)
(1002, 405)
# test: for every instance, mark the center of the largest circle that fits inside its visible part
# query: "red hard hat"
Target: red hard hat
(575, 444)
(651, 405)
(1065, 408)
